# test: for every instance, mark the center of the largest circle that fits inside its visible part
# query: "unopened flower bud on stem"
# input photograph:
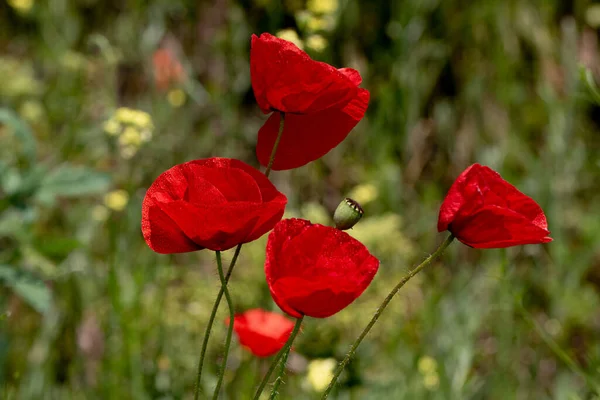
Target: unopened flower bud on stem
(347, 214)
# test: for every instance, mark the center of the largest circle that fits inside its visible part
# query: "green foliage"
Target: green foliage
(499, 82)
(31, 289)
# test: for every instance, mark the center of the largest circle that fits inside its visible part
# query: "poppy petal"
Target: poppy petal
(498, 227)
(308, 137)
(285, 78)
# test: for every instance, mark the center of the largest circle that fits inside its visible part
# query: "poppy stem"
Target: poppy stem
(380, 309)
(276, 144)
(211, 321)
(284, 352)
(229, 329)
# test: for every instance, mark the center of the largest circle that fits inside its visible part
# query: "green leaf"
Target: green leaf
(22, 132)
(72, 181)
(30, 288)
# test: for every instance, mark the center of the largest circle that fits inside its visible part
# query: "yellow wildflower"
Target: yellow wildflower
(176, 98)
(32, 110)
(99, 213)
(320, 373)
(316, 42)
(22, 6)
(323, 6)
(116, 200)
(427, 365)
(364, 193)
(112, 127)
(291, 36)
(128, 152)
(431, 381)
(130, 137)
(142, 119)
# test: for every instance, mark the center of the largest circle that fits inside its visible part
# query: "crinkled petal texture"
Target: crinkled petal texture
(262, 332)
(308, 137)
(214, 203)
(316, 270)
(321, 103)
(484, 211)
(286, 79)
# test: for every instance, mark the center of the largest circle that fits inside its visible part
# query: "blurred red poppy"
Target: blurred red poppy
(262, 332)
(316, 270)
(167, 69)
(214, 203)
(484, 211)
(321, 103)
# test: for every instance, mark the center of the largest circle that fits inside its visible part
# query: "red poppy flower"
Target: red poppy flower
(167, 69)
(484, 211)
(262, 332)
(322, 103)
(215, 203)
(316, 270)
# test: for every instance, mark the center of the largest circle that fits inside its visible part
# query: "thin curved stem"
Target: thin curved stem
(285, 350)
(274, 150)
(380, 309)
(229, 329)
(211, 321)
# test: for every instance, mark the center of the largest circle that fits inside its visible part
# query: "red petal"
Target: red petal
(286, 79)
(214, 203)
(264, 333)
(214, 227)
(234, 183)
(352, 74)
(480, 186)
(497, 227)
(308, 137)
(161, 233)
(317, 299)
(316, 270)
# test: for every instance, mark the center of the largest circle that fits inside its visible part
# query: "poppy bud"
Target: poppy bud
(347, 214)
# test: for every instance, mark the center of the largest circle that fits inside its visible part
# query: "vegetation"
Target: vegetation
(90, 115)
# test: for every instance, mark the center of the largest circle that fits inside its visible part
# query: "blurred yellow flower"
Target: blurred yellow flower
(146, 135)
(112, 127)
(116, 200)
(431, 381)
(322, 6)
(32, 110)
(592, 15)
(427, 365)
(291, 36)
(316, 42)
(320, 373)
(130, 137)
(137, 118)
(364, 193)
(100, 213)
(318, 23)
(21, 5)
(176, 97)
(128, 152)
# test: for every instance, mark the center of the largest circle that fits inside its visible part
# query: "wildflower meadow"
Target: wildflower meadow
(320, 199)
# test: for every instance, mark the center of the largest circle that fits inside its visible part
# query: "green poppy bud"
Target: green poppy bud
(347, 214)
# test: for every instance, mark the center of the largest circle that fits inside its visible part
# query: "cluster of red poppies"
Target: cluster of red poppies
(311, 269)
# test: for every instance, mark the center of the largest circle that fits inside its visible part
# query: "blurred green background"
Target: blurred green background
(97, 98)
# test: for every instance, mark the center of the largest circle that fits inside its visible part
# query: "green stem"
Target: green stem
(211, 321)
(274, 150)
(380, 309)
(284, 351)
(229, 329)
